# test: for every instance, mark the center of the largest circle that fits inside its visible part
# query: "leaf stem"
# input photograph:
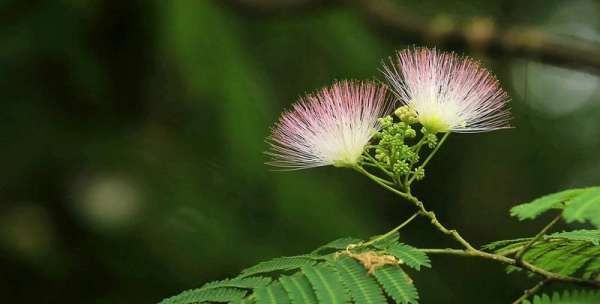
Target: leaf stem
(469, 250)
(429, 214)
(417, 148)
(430, 156)
(522, 251)
(549, 276)
(531, 291)
(373, 162)
(383, 236)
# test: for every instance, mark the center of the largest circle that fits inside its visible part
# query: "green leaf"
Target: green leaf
(592, 236)
(592, 270)
(540, 205)
(249, 283)
(565, 260)
(299, 289)
(326, 284)
(362, 286)
(573, 297)
(503, 243)
(411, 256)
(205, 295)
(338, 244)
(397, 284)
(568, 253)
(272, 294)
(243, 301)
(584, 207)
(387, 241)
(279, 264)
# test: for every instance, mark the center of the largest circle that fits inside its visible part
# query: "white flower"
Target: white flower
(449, 93)
(329, 127)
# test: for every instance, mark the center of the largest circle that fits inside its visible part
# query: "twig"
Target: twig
(429, 157)
(549, 276)
(522, 251)
(383, 236)
(469, 249)
(432, 217)
(531, 291)
(274, 7)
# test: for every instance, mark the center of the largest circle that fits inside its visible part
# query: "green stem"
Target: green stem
(384, 182)
(374, 163)
(549, 276)
(381, 182)
(383, 236)
(417, 149)
(469, 250)
(531, 291)
(429, 157)
(420, 206)
(522, 251)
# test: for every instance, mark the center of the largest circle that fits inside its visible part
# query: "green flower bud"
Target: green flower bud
(419, 173)
(401, 168)
(406, 114)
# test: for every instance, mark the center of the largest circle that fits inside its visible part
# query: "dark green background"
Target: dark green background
(132, 138)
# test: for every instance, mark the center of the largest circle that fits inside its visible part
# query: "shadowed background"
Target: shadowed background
(133, 134)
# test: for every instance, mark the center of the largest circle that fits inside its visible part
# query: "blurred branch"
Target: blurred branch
(275, 6)
(480, 33)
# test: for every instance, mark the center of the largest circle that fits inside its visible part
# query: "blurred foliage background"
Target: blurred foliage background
(132, 136)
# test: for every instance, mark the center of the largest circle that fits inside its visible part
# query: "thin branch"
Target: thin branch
(483, 33)
(429, 157)
(531, 291)
(549, 276)
(274, 7)
(375, 177)
(469, 249)
(375, 163)
(383, 236)
(417, 203)
(522, 251)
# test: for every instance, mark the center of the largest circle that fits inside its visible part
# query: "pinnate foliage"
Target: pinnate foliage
(362, 287)
(577, 205)
(272, 294)
(574, 297)
(397, 284)
(411, 256)
(567, 253)
(279, 264)
(298, 288)
(343, 271)
(204, 295)
(349, 270)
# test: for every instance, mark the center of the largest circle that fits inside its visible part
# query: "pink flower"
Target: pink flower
(329, 127)
(449, 93)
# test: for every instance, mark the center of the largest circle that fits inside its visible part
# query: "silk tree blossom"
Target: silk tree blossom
(329, 127)
(449, 93)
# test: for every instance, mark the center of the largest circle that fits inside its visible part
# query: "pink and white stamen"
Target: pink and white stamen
(449, 93)
(329, 127)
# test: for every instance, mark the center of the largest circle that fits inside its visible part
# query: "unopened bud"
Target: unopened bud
(406, 114)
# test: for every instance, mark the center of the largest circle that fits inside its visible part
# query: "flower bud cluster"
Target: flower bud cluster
(397, 145)
(407, 115)
(429, 138)
(392, 150)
